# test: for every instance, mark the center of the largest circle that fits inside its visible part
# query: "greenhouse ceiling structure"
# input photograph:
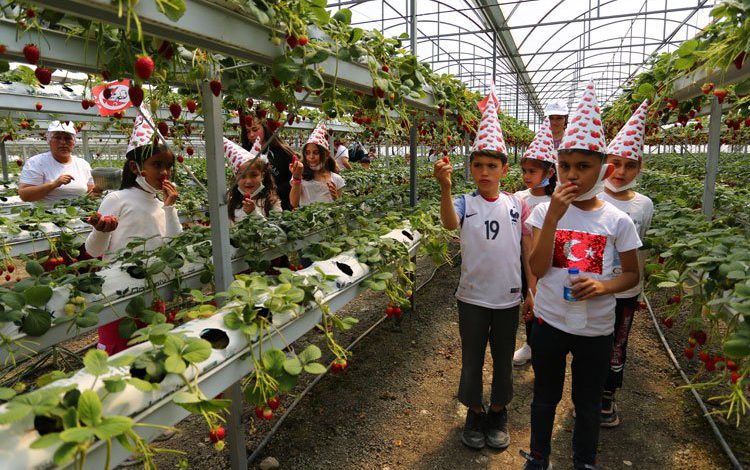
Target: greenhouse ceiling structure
(538, 50)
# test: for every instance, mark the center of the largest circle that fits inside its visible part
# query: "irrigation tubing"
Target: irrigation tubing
(318, 378)
(724, 445)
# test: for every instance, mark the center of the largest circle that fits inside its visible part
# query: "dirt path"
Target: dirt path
(395, 408)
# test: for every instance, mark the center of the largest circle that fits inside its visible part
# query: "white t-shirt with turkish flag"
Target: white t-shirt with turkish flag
(590, 241)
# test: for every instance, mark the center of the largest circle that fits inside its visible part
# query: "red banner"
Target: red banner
(118, 100)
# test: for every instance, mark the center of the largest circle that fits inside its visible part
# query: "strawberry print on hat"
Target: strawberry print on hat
(628, 143)
(542, 147)
(143, 130)
(489, 134)
(319, 136)
(238, 156)
(585, 131)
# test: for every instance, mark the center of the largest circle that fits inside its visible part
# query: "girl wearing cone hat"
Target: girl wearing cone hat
(314, 179)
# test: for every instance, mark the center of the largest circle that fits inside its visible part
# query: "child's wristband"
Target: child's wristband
(296, 182)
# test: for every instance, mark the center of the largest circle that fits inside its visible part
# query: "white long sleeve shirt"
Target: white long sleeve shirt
(140, 214)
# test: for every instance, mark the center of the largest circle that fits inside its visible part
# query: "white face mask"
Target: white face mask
(141, 180)
(317, 167)
(597, 188)
(608, 184)
(258, 190)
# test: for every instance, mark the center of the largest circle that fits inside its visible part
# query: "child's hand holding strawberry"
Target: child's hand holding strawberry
(106, 223)
(442, 172)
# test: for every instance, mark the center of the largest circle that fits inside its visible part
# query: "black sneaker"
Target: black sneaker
(585, 466)
(496, 429)
(609, 417)
(473, 433)
(535, 462)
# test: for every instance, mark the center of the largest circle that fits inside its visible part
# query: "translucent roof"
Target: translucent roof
(544, 49)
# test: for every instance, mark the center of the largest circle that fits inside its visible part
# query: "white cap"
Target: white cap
(556, 108)
(57, 126)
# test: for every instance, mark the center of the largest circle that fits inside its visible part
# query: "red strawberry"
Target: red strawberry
(247, 195)
(190, 151)
(274, 402)
(735, 375)
(144, 67)
(106, 75)
(704, 356)
(389, 311)
(446, 160)
(689, 353)
(299, 266)
(44, 75)
(85, 104)
(3, 48)
(38, 106)
(136, 95)
(280, 106)
(175, 110)
(710, 365)
(676, 299)
(292, 41)
(668, 322)
(692, 342)
(31, 53)
(215, 86)
(8, 277)
(739, 60)
(180, 158)
(731, 365)
(11, 268)
(250, 102)
(259, 412)
(721, 94)
(24, 124)
(163, 128)
(707, 87)
(191, 106)
(277, 83)
(217, 434)
(385, 68)
(19, 162)
(267, 414)
(302, 40)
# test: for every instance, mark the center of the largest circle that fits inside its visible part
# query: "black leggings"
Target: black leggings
(624, 312)
(589, 370)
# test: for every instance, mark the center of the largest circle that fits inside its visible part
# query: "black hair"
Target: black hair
(139, 155)
(325, 157)
(591, 153)
(365, 160)
(268, 195)
(489, 153)
(550, 188)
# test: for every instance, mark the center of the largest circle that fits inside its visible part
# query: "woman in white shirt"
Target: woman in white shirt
(314, 179)
(56, 175)
(341, 155)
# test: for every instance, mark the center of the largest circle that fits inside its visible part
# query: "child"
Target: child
(279, 154)
(489, 291)
(135, 210)
(576, 231)
(314, 179)
(253, 190)
(557, 113)
(538, 169)
(625, 154)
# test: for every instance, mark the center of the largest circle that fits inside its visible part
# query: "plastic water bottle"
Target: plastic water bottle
(576, 312)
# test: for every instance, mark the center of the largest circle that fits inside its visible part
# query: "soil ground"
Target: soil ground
(396, 407)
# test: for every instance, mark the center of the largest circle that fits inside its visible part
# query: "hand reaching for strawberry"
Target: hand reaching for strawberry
(106, 223)
(170, 192)
(296, 168)
(248, 205)
(442, 173)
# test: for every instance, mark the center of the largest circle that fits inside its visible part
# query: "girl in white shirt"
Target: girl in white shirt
(314, 179)
(135, 211)
(253, 189)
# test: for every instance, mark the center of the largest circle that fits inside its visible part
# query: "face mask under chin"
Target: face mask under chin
(598, 186)
(608, 184)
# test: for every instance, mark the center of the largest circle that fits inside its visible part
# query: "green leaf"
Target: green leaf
(142, 385)
(34, 269)
(64, 453)
(344, 16)
(46, 441)
(273, 360)
(14, 300)
(123, 360)
(7, 393)
(4, 66)
(77, 435)
(293, 366)
(135, 306)
(684, 63)
(14, 412)
(173, 345)
(285, 69)
(317, 57)
(356, 35)
(114, 385)
(95, 362)
(89, 408)
(175, 365)
(112, 426)
(197, 350)
(36, 323)
(742, 88)
(646, 90)
(172, 9)
(687, 47)
(310, 354)
(295, 295)
(315, 368)
(38, 296)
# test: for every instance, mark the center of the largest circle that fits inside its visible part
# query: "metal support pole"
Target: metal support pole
(466, 157)
(85, 146)
(712, 160)
(217, 206)
(413, 130)
(4, 155)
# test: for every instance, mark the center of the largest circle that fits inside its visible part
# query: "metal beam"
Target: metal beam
(222, 29)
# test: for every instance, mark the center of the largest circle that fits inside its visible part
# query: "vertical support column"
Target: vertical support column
(413, 129)
(467, 145)
(85, 146)
(494, 56)
(217, 207)
(712, 160)
(4, 155)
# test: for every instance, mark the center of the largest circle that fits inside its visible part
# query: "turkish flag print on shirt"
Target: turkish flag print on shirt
(581, 250)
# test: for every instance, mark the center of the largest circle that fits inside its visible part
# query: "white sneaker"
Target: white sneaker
(522, 355)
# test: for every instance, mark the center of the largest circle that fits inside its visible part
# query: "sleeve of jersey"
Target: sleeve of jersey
(536, 218)
(459, 204)
(98, 242)
(525, 213)
(627, 235)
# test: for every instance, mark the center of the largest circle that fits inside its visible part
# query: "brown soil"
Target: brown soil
(396, 407)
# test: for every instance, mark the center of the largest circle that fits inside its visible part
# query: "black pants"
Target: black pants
(478, 325)
(624, 312)
(590, 366)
